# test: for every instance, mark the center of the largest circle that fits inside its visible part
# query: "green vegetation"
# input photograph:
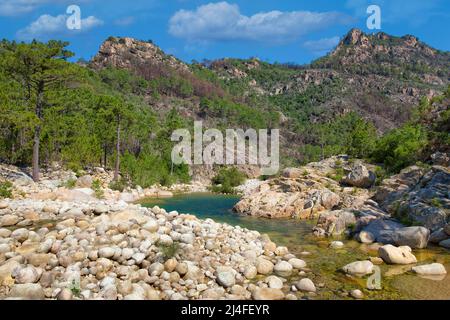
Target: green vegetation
(53, 110)
(97, 187)
(400, 147)
(70, 184)
(5, 189)
(75, 288)
(227, 179)
(169, 251)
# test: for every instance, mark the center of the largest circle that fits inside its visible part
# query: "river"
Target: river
(325, 263)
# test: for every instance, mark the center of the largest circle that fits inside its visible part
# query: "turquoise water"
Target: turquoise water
(219, 208)
(324, 262)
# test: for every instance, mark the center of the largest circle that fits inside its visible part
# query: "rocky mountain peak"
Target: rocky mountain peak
(354, 37)
(127, 53)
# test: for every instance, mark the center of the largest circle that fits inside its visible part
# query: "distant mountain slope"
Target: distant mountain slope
(379, 77)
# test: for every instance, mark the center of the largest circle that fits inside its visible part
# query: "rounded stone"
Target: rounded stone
(274, 282)
(297, 263)
(357, 294)
(65, 294)
(306, 285)
(264, 266)
(283, 269)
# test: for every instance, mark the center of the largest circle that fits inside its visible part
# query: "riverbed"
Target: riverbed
(397, 281)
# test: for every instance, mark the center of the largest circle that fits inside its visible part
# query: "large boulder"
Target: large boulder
(414, 237)
(396, 255)
(419, 195)
(360, 177)
(335, 222)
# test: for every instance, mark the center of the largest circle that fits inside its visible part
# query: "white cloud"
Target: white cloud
(47, 26)
(322, 46)
(223, 21)
(18, 7)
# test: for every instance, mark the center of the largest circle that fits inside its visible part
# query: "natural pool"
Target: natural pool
(324, 262)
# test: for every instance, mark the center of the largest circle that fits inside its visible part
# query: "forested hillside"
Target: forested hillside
(119, 110)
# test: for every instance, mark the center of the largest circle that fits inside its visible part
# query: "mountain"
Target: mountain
(379, 77)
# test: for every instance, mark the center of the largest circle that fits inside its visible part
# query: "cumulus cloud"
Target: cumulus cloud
(47, 26)
(321, 46)
(223, 21)
(18, 7)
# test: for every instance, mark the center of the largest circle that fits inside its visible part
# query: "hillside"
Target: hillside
(379, 77)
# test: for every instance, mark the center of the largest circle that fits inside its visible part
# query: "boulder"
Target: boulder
(264, 266)
(283, 269)
(267, 294)
(28, 291)
(297, 263)
(336, 222)
(9, 220)
(336, 245)
(438, 236)
(447, 229)
(274, 282)
(396, 255)
(366, 237)
(359, 268)
(445, 243)
(430, 269)
(414, 237)
(360, 177)
(306, 285)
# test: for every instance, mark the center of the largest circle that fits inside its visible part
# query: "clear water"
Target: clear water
(324, 262)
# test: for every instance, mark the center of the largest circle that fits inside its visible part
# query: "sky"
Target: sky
(297, 31)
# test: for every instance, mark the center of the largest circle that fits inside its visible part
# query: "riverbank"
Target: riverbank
(324, 261)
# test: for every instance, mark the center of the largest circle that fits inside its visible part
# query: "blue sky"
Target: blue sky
(284, 30)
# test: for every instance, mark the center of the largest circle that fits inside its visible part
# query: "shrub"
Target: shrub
(169, 251)
(118, 185)
(401, 147)
(97, 187)
(227, 179)
(5, 189)
(70, 184)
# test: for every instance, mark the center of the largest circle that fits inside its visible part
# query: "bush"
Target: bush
(118, 185)
(227, 179)
(169, 251)
(70, 184)
(5, 189)
(97, 187)
(401, 147)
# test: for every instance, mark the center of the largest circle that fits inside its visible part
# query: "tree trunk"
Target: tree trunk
(37, 132)
(36, 144)
(117, 168)
(104, 155)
